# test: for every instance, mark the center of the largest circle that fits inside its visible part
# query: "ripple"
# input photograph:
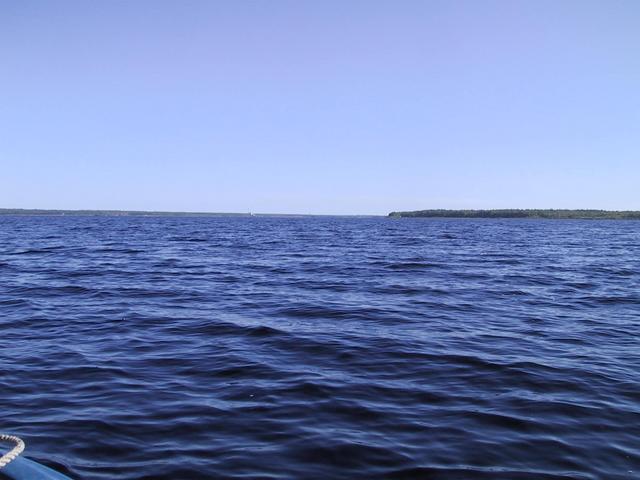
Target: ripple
(343, 348)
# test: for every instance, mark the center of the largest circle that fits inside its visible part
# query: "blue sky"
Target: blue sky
(325, 106)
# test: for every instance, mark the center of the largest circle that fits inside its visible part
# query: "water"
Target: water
(317, 348)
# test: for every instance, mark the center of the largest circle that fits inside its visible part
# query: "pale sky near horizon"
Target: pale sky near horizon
(344, 107)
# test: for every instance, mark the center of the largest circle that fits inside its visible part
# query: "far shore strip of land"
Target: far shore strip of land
(151, 213)
(524, 213)
(39, 211)
(584, 214)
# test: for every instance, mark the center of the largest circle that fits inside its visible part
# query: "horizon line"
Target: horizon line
(122, 212)
(89, 211)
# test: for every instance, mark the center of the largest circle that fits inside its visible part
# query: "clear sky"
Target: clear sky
(319, 106)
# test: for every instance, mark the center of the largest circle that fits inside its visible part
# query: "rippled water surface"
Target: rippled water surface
(322, 348)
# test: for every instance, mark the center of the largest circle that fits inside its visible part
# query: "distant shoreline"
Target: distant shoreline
(552, 214)
(559, 214)
(110, 213)
(144, 213)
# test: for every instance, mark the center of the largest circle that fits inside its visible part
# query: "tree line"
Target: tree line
(523, 213)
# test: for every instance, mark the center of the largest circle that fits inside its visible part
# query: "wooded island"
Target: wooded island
(523, 213)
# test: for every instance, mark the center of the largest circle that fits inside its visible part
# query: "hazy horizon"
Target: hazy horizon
(319, 107)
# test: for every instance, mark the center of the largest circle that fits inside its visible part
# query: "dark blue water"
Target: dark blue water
(322, 348)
